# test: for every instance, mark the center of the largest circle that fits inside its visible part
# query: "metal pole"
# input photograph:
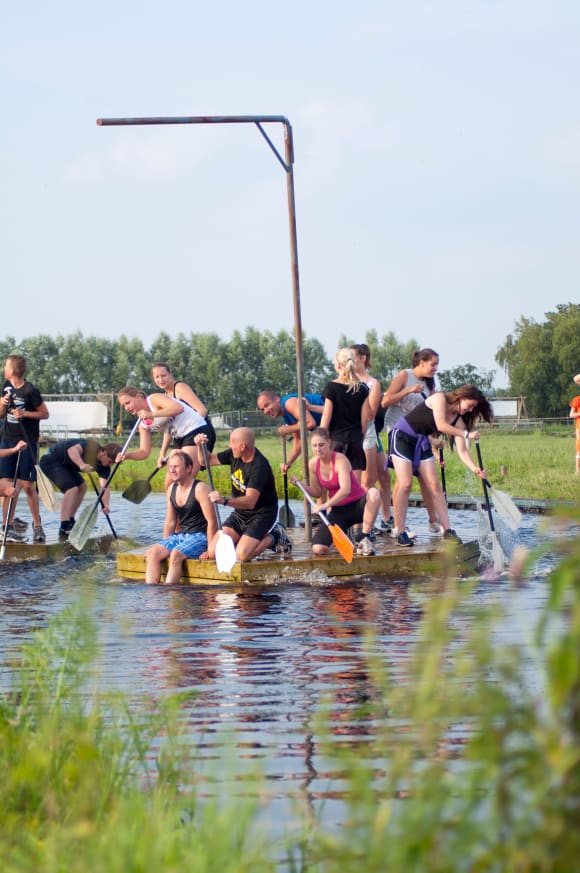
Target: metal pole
(288, 167)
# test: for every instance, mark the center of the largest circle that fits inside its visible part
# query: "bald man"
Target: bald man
(252, 525)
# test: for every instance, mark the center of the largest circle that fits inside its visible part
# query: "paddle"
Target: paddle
(45, 487)
(82, 529)
(442, 469)
(499, 558)
(100, 499)
(503, 502)
(225, 550)
(340, 540)
(286, 516)
(10, 505)
(138, 491)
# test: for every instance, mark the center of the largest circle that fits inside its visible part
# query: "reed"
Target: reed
(473, 762)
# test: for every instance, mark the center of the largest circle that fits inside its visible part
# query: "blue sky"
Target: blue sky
(437, 169)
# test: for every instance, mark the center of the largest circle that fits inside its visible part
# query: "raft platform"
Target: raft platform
(56, 551)
(431, 557)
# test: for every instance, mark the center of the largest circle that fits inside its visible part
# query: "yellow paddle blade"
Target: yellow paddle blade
(341, 542)
(119, 429)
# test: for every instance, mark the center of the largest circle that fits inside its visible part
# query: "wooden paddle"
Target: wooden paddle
(100, 499)
(138, 491)
(225, 550)
(82, 529)
(498, 555)
(10, 505)
(45, 487)
(286, 516)
(341, 542)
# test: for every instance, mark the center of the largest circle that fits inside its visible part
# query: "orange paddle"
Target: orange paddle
(341, 542)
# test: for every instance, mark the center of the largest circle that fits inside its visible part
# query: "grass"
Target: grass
(540, 466)
(101, 783)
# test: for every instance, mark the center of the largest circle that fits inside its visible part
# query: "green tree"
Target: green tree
(540, 360)
(466, 375)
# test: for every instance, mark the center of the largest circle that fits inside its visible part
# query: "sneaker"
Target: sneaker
(387, 526)
(436, 529)
(403, 539)
(364, 547)
(452, 536)
(373, 534)
(281, 543)
(38, 536)
(19, 525)
(13, 536)
(410, 533)
(65, 529)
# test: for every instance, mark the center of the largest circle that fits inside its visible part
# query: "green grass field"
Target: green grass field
(540, 465)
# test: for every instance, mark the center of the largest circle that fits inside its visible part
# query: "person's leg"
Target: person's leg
(384, 480)
(428, 474)
(155, 555)
(372, 503)
(248, 547)
(402, 490)
(71, 500)
(176, 559)
(33, 502)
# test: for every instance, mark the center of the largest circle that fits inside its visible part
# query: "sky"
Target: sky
(437, 169)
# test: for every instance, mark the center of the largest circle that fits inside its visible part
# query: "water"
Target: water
(259, 659)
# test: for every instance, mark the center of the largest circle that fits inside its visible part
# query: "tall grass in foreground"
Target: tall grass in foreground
(474, 763)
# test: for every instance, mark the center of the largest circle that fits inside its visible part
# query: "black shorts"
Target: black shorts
(61, 475)
(189, 438)
(256, 526)
(353, 451)
(344, 516)
(27, 466)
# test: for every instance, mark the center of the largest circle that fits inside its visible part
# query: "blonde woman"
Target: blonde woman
(346, 411)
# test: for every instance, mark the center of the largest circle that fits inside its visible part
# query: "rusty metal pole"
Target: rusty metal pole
(287, 164)
(289, 154)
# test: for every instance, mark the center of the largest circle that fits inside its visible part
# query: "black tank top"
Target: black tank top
(422, 420)
(190, 515)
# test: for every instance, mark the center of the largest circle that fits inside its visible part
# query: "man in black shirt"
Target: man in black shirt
(252, 526)
(21, 410)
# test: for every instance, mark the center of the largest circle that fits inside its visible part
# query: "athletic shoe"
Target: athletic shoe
(410, 533)
(452, 536)
(12, 536)
(39, 536)
(65, 529)
(436, 529)
(403, 539)
(373, 534)
(19, 525)
(281, 543)
(364, 547)
(387, 526)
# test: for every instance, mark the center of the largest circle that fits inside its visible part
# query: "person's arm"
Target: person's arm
(295, 453)
(170, 522)
(292, 406)
(105, 497)
(213, 459)
(374, 398)
(202, 493)
(314, 488)
(184, 392)
(19, 447)
(464, 455)
(162, 406)
(244, 501)
(75, 453)
(365, 415)
(40, 413)
(326, 413)
(438, 404)
(399, 389)
(144, 450)
(164, 446)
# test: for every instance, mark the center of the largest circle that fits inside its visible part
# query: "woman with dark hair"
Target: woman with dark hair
(410, 451)
(408, 389)
(164, 379)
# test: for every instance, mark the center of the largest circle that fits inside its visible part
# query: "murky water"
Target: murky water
(259, 659)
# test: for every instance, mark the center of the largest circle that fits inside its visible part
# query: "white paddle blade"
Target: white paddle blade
(46, 491)
(498, 555)
(506, 508)
(225, 553)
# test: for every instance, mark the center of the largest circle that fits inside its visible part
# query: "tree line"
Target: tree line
(229, 374)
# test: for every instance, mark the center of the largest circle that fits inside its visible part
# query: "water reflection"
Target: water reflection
(261, 661)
